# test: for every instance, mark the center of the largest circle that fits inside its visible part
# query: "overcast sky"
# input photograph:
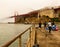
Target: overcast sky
(9, 7)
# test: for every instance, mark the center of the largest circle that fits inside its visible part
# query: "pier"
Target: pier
(44, 39)
(36, 37)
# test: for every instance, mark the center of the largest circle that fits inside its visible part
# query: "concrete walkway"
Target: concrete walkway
(44, 39)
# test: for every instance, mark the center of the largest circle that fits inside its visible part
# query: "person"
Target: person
(45, 24)
(40, 24)
(50, 26)
(53, 23)
(53, 26)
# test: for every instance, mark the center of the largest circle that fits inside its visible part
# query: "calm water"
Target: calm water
(8, 31)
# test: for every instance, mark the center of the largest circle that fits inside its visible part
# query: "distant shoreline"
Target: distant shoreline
(7, 23)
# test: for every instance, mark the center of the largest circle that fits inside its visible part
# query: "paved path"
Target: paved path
(44, 39)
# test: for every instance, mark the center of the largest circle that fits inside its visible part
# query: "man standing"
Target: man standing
(50, 26)
(45, 24)
(40, 24)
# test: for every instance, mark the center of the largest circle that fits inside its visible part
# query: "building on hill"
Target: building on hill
(51, 12)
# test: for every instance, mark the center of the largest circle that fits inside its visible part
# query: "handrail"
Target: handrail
(30, 42)
(35, 39)
(16, 37)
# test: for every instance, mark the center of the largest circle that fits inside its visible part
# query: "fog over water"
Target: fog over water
(9, 7)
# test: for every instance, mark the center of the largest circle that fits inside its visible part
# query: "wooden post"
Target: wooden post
(19, 41)
(30, 35)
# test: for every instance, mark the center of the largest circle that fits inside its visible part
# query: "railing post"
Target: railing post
(19, 41)
(30, 35)
(30, 32)
(35, 38)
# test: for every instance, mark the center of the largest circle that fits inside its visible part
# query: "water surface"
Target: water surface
(8, 31)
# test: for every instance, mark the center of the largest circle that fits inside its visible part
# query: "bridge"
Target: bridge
(22, 17)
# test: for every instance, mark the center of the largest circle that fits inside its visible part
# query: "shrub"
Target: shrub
(55, 19)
